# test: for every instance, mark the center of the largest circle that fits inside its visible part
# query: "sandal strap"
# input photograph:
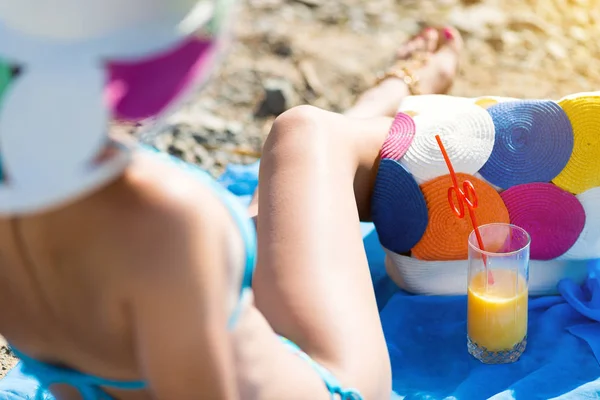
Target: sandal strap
(402, 71)
(405, 75)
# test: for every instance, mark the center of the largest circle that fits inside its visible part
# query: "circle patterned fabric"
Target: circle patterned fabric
(534, 141)
(533, 163)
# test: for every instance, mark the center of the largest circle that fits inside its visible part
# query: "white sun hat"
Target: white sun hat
(115, 28)
(54, 118)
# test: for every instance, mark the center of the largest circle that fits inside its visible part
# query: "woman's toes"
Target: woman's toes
(419, 43)
(432, 38)
(451, 39)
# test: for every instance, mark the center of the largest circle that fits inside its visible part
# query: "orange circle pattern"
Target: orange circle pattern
(446, 235)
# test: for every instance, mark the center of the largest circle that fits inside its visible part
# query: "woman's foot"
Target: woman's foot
(430, 59)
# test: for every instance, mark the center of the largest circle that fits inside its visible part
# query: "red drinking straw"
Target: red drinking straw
(465, 195)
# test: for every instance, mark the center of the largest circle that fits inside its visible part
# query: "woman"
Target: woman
(129, 265)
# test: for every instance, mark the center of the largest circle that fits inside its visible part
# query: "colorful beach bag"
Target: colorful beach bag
(533, 163)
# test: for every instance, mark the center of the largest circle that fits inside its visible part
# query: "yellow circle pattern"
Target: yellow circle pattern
(582, 172)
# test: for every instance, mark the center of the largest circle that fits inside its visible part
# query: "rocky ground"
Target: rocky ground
(325, 52)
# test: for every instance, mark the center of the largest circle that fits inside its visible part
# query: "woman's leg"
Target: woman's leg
(312, 281)
(435, 76)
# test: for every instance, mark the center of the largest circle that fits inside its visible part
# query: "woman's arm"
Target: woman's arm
(180, 307)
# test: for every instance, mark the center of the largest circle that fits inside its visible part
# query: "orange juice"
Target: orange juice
(497, 316)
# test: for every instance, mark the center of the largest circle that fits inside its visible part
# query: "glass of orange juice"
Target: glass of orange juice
(498, 281)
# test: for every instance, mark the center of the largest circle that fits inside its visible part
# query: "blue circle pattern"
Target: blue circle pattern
(398, 206)
(534, 141)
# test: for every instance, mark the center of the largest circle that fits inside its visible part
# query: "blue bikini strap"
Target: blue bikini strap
(88, 386)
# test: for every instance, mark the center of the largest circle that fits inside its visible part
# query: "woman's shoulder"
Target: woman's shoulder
(155, 192)
(160, 182)
(155, 208)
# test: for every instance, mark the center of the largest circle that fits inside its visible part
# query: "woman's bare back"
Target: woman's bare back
(67, 277)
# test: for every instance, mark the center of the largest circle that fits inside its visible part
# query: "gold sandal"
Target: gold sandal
(404, 71)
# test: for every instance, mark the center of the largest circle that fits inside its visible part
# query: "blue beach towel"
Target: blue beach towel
(426, 337)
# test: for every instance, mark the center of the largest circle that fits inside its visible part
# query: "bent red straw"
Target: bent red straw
(465, 195)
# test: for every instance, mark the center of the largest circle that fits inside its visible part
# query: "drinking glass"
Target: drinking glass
(498, 282)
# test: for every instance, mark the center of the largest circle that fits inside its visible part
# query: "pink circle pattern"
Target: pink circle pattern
(400, 137)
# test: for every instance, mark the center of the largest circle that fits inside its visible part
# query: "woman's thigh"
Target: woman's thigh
(312, 281)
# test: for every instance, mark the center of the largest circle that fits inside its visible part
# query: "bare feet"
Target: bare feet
(431, 57)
